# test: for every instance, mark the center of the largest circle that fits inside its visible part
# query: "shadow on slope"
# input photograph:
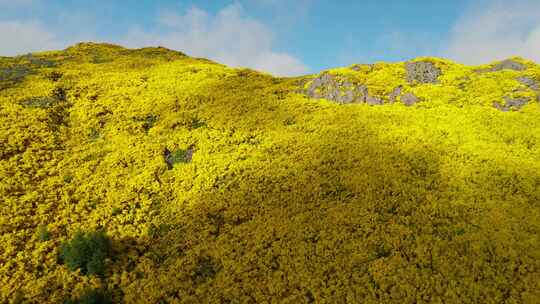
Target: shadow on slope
(341, 215)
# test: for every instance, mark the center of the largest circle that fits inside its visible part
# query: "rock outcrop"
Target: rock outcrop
(342, 91)
(345, 87)
(396, 92)
(529, 82)
(508, 64)
(511, 103)
(360, 67)
(409, 99)
(422, 72)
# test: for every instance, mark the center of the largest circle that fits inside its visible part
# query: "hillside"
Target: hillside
(413, 182)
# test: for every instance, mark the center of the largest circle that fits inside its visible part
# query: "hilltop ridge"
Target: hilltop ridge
(508, 84)
(129, 174)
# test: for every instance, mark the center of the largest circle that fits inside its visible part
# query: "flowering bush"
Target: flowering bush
(284, 199)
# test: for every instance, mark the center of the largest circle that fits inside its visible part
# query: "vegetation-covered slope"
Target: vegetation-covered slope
(224, 185)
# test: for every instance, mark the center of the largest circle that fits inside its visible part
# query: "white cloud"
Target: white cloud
(228, 37)
(497, 29)
(20, 37)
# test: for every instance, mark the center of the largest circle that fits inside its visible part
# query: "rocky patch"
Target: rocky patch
(330, 87)
(12, 75)
(396, 92)
(508, 64)
(366, 67)
(409, 99)
(529, 82)
(374, 100)
(511, 103)
(422, 72)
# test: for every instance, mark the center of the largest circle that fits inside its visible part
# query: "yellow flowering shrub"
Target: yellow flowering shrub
(279, 198)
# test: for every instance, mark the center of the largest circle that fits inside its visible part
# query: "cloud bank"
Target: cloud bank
(495, 30)
(228, 37)
(18, 37)
(486, 31)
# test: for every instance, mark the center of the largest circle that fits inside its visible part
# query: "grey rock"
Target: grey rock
(189, 154)
(529, 82)
(515, 102)
(508, 64)
(396, 92)
(347, 84)
(346, 97)
(341, 91)
(329, 87)
(363, 93)
(358, 67)
(374, 100)
(409, 99)
(511, 103)
(422, 72)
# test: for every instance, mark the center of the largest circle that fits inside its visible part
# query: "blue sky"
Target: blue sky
(283, 37)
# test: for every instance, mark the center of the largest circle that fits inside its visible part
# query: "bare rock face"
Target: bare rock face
(511, 103)
(374, 100)
(409, 99)
(330, 87)
(508, 64)
(529, 82)
(360, 67)
(422, 72)
(396, 92)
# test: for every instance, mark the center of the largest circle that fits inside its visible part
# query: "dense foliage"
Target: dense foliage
(227, 185)
(87, 252)
(91, 296)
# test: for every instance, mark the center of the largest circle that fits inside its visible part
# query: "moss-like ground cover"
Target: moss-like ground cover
(221, 185)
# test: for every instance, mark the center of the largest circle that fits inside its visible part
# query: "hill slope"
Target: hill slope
(410, 182)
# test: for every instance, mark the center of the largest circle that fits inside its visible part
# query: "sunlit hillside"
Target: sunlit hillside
(148, 176)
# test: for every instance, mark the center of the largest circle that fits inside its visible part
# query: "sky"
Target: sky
(283, 37)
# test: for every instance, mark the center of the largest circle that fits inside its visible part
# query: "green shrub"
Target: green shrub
(206, 269)
(43, 233)
(178, 156)
(42, 102)
(147, 121)
(14, 73)
(54, 76)
(93, 134)
(197, 123)
(86, 251)
(116, 211)
(92, 296)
